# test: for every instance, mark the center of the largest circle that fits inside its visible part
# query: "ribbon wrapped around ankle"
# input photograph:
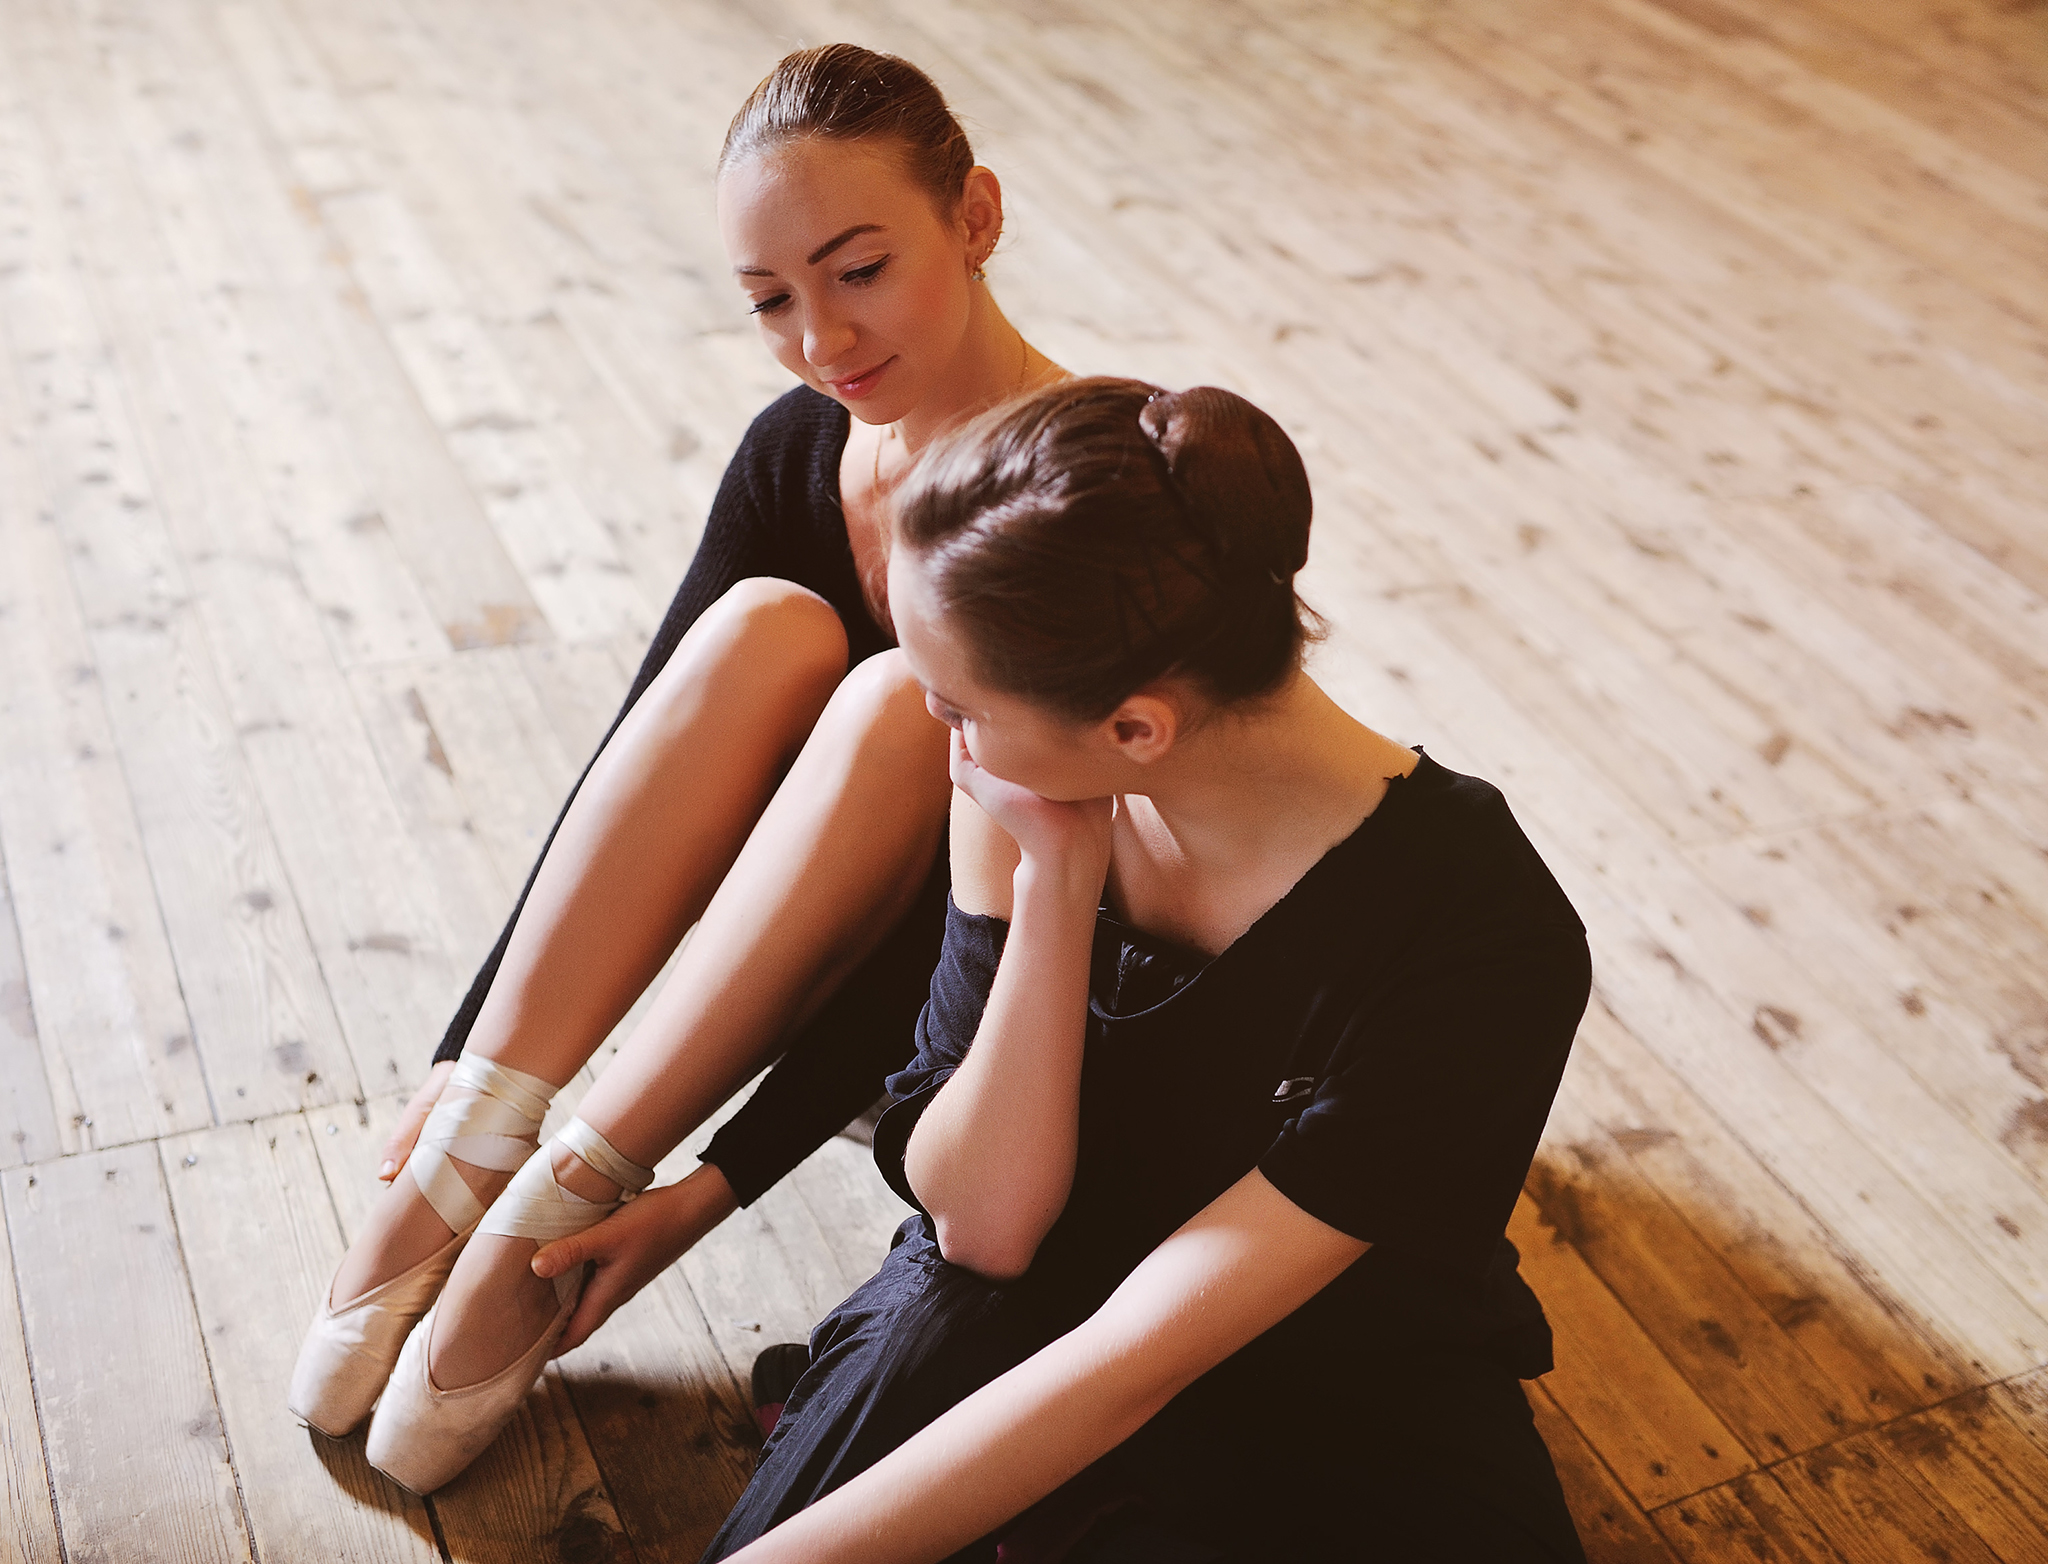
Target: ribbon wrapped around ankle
(536, 1206)
(497, 1129)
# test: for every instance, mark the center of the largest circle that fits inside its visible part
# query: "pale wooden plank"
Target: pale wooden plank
(580, 688)
(30, 1532)
(261, 1242)
(238, 235)
(114, 1031)
(1659, 1438)
(417, 494)
(139, 1461)
(261, 1019)
(1784, 882)
(437, 817)
(1847, 120)
(384, 930)
(507, 763)
(376, 936)
(28, 1116)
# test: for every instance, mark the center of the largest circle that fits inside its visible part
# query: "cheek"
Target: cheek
(930, 307)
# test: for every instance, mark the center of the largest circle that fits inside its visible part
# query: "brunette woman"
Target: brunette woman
(1246, 1025)
(772, 778)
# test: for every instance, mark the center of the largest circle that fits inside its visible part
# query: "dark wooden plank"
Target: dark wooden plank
(1752, 1520)
(1611, 1524)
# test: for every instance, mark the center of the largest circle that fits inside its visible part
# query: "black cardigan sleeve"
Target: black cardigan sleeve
(738, 542)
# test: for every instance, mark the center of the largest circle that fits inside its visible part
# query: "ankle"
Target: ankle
(579, 1177)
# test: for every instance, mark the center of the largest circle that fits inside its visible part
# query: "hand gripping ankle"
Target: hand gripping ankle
(497, 1129)
(535, 1205)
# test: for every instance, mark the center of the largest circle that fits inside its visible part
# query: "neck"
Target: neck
(994, 360)
(1247, 779)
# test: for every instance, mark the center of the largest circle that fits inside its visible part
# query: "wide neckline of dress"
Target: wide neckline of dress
(1201, 965)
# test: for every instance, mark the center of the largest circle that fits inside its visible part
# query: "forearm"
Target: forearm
(992, 1159)
(1245, 1262)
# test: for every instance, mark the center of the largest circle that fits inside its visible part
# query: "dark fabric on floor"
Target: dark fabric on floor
(1432, 1459)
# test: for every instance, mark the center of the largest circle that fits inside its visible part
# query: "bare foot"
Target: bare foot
(494, 1307)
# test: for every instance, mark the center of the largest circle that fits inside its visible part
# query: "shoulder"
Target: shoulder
(799, 417)
(1456, 842)
(793, 443)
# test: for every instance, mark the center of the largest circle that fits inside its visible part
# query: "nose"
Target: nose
(933, 705)
(828, 339)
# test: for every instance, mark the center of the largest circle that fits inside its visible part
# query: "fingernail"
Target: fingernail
(387, 1170)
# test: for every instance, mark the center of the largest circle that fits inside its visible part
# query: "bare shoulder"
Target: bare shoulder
(985, 859)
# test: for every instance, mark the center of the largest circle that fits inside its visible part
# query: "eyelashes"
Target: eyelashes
(859, 277)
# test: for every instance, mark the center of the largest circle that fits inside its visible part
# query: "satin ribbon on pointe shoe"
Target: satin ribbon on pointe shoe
(422, 1435)
(350, 1348)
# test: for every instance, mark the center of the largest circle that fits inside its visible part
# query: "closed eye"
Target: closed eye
(770, 306)
(860, 276)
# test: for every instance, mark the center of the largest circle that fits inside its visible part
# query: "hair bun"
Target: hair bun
(1236, 471)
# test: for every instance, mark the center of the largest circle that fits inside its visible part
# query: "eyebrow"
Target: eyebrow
(818, 254)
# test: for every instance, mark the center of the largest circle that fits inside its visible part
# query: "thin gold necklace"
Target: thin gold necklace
(1023, 365)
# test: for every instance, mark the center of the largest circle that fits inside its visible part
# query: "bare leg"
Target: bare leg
(835, 861)
(654, 828)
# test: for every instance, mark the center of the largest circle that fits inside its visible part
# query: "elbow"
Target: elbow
(995, 1257)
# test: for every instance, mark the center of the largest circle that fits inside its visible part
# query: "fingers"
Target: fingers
(412, 1117)
(551, 1260)
(601, 1295)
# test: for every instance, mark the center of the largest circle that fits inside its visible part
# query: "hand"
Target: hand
(635, 1244)
(411, 1118)
(1072, 838)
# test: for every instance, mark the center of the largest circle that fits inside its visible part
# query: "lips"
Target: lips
(854, 387)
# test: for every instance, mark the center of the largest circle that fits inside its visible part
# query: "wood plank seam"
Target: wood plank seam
(1536, 1388)
(440, 1541)
(206, 1351)
(1868, 1431)
(20, 1324)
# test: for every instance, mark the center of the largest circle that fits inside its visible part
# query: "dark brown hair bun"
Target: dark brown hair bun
(1098, 534)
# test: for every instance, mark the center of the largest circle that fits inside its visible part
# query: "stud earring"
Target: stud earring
(978, 274)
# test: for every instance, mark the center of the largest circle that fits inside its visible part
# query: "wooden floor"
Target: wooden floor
(1674, 378)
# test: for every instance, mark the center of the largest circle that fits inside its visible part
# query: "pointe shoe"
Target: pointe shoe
(422, 1435)
(350, 1348)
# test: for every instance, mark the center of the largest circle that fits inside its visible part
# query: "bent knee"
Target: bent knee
(883, 693)
(770, 647)
(782, 618)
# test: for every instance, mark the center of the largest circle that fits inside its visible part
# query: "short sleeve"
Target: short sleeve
(972, 949)
(1422, 1128)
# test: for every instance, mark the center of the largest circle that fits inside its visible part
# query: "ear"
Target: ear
(981, 211)
(1143, 729)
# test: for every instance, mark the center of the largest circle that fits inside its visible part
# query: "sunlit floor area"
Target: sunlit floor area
(1673, 375)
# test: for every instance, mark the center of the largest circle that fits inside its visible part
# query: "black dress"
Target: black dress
(777, 514)
(1384, 1044)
